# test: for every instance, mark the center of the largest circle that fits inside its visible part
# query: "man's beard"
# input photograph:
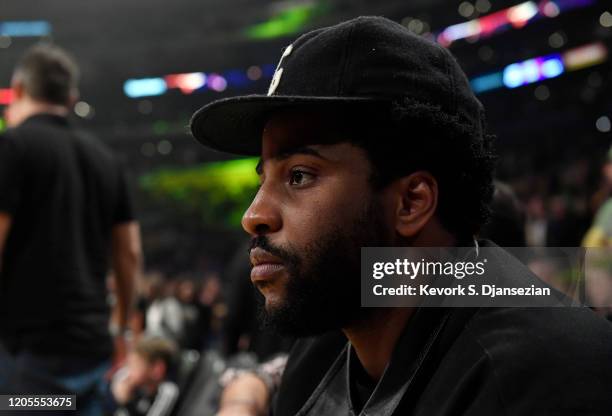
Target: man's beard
(323, 290)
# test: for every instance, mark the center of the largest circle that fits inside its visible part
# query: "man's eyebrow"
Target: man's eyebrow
(304, 150)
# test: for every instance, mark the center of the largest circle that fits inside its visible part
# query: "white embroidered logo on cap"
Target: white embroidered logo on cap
(279, 71)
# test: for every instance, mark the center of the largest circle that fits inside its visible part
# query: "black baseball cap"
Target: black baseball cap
(361, 63)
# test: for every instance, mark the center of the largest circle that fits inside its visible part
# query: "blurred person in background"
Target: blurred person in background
(135, 325)
(65, 214)
(600, 233)
(536, 227)
(506, 227)
(145, 296)
(565, 225)
(145, 386)
(213, 311)
(164, 315)
(170, 287)
(190, 314)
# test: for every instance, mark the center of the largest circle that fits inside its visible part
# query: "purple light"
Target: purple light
(217, 82)
(533, 70)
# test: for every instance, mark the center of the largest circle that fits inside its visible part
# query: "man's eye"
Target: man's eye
(299, 178)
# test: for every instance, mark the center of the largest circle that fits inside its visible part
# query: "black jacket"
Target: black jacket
(467, 361)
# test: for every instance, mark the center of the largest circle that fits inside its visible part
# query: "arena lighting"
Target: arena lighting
(6, 96)
(513, 17)
(518, 16)
(145, 87)
(541, 68)
(533, 70)
(217, 82)
(293, 19)
(487, 82)
(187, 83)
(240, 78)
(218, 192)
(585, 56)
(512, 76)
(197, 81)
(25, 28)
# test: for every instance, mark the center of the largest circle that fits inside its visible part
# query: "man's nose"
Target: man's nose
(262, 217)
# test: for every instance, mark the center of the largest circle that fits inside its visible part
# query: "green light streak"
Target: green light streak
(287, 22)
(218, 192)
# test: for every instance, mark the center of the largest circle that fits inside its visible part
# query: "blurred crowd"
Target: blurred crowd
(560, 196)
(187, 311)
(173, 321)
(183, 325)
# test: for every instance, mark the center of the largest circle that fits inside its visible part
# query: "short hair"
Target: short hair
(155, 348)
(48, 73)
(410, 136)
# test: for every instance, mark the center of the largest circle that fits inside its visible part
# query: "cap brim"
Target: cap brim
(235, 124)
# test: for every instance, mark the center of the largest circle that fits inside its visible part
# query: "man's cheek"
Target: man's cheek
(348, 202)
(308, 219)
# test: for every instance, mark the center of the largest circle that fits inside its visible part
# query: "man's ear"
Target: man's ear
(416, 198)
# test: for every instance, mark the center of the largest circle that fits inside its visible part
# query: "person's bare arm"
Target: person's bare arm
(127, 264)
(248, 392)
(5, 226)
(122, 386)
(247, 395)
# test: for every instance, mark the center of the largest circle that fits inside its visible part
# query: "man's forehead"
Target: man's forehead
(288, 130)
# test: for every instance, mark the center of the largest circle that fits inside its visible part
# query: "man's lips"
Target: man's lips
(265, 266)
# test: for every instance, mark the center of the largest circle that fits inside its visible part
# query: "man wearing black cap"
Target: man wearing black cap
(370, 136)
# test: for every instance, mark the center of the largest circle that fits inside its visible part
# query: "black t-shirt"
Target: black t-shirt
(361, 384)
(64, 191)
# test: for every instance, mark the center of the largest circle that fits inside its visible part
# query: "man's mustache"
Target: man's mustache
(262, 242)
